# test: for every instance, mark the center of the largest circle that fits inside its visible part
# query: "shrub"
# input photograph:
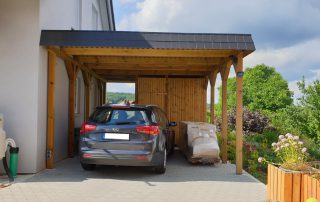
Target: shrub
(253, 121)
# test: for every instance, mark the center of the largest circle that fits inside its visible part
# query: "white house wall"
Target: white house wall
(19, 78)
(79, 117)
(61, 112)
(23, 74)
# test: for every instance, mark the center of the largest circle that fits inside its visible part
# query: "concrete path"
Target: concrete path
(181, 182)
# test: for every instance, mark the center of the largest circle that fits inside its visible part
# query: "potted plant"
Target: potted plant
(288, 179)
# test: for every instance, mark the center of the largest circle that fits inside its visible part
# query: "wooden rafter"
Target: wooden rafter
(134, 52)
(66, 57)
(147, 60)
(148, 67)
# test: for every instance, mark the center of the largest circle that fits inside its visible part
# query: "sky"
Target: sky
(286, 32)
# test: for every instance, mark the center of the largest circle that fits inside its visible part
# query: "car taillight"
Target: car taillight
(87, 127)
(149, 130)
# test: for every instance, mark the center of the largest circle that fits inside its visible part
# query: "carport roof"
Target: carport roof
(150, 40)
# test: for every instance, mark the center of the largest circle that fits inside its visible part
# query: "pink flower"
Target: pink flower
(296, 137)
(288, 134)
(273, 144)
(304, 150)
(300, 143)
(286, 145)
(283, 140)
(281, 137)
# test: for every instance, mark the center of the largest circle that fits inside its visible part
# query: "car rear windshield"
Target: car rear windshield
(113, 116)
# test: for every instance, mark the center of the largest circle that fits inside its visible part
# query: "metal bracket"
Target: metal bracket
(49, 154)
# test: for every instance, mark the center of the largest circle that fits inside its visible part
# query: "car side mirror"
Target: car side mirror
(171, 124)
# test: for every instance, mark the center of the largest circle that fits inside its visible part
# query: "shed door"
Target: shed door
(186, 101)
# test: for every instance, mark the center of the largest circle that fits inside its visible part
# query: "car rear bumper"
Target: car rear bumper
(119, 157)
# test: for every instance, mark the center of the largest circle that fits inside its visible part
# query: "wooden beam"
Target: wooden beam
(135, 52)
(105, 60)
(71, 69)
(212, 78)
(224, 76)
(51, 109)
(158, 67)
(111, 73)
(239, 114)
(66, 57)
(87, 82)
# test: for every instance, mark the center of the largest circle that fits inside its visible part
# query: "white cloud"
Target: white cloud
(285, 32)
(125, 2)
(273, 23)
(294, 87)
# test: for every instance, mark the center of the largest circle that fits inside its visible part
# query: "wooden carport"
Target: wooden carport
(139, 56)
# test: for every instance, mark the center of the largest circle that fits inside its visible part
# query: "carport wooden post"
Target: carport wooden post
(213, 77)
(99, 94)
(239, 113)
(224, 76)
(87, 83)
(104, 92)
(51, 108)
(72, 72)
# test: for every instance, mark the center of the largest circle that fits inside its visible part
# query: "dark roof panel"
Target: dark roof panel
(122, 39)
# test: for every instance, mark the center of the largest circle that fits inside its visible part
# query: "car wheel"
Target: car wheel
(162, 168)
(88, 166)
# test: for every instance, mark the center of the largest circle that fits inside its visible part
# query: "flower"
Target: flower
(296, 137)
(283, 140)
(273, 144)
(286, 145)
(289, 136)
(300, 143)
(281, 137)
(260, 159)
(304, 150)
(294, 143)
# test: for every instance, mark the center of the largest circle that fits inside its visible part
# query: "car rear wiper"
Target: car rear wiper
(124, 122)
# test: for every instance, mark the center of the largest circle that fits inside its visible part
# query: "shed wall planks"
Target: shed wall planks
(183, 99)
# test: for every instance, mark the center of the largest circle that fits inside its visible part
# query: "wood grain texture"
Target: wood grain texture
(51, 109)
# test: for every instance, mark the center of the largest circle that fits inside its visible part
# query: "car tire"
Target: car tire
(162, 168)
(88, 166)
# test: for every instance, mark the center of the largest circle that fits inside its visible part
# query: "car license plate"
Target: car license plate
(116, 136)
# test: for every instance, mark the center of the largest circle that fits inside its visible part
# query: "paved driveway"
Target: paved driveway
(181, 182)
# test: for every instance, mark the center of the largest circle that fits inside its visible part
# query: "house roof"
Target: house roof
(148, 40)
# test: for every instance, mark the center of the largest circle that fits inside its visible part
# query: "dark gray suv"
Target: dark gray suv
(128, 135)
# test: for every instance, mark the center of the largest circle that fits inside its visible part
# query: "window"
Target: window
(119, 116)
(77, 96)
(94, 18)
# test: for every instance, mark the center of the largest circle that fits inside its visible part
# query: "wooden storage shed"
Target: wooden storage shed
(171, 70)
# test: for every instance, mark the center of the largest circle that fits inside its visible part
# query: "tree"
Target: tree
(310, 101)
(263, 89)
